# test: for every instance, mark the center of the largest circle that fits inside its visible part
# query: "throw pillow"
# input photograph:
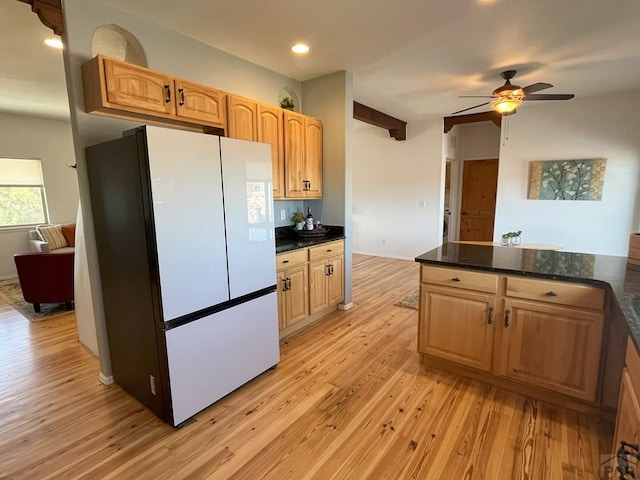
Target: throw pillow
(69, 232)
(52, 234)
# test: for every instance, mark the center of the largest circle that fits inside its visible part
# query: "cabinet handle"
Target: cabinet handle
(167, 94)
(551, 293)
(506, 318)
(455, 279)
(288, 283)
(181, 92)
(285, 261)
(326, 270)
(330, 269)
(623, 461)
(309, 187)
(490, 315)
(329, 250)
(284, 284)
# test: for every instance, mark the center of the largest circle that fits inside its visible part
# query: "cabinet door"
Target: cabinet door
(298, 294)
(271, 130)
(132, 86)
(317, 286)
(281, 284)
(627, 421)
(242, 118)
(456, 325)
(335, 280)
(313, 157)
(552, 347)
(201, 103)
(294, 151)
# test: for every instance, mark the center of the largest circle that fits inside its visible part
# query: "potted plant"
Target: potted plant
(287, 102)
(298, 218)
(510, 239)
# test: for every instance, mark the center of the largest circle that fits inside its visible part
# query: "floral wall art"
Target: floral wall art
(567, 179)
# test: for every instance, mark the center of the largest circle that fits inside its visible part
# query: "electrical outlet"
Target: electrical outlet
(384, 241)
(283, 214)
(423, 204)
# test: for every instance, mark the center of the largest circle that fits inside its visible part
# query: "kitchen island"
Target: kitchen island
(543, 322)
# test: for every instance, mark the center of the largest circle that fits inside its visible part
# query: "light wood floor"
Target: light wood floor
(349, 400)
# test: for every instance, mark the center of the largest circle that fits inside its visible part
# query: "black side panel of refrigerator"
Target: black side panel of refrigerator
(123, 230)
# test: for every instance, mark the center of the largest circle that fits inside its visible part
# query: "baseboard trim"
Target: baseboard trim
(345, 306)
(105, 379)
(395, 257)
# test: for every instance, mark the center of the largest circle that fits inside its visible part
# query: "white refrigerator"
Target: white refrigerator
(186, 249)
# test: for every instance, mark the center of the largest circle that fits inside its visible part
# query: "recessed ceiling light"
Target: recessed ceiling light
(300, 48)
(53, 42)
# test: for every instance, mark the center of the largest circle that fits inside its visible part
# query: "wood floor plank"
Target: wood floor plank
(349, 400)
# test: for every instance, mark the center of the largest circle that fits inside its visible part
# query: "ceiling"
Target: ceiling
(409, 58)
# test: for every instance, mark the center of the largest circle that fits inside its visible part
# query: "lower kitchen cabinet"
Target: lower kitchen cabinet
(550, 346)
(457, 325)
(293, 296)
(310, 283)
(545, 334)
(326, 283)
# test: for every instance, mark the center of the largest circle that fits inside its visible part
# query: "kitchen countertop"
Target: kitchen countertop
(287, 240)
(612, 273)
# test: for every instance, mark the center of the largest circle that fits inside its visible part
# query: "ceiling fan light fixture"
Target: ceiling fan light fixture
(506, 104)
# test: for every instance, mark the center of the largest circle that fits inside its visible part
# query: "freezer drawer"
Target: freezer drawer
(210, 357)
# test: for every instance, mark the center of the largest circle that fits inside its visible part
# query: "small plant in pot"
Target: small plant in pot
(287, 102)
(298, 218)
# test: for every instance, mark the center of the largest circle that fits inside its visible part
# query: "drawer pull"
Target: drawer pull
(490, 315)
(285, 261)
(551, 293)
(506, 318)
(329, 250)
(455, 279)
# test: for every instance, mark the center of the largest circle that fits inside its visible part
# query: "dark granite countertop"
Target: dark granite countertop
(610, 272)
(287, 239)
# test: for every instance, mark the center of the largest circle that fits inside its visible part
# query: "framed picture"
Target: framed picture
(567, 179)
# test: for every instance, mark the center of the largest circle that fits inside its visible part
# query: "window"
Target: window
(22, 196)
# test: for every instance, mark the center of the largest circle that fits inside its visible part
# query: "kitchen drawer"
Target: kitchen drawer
(289, 259)
(454, 277)
(326, 250)
(561, 293)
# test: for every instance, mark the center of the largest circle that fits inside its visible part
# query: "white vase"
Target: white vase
(299, 225)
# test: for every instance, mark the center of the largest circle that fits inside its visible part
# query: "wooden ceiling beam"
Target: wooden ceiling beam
(397, 128)
(49, 12)
(492, 116)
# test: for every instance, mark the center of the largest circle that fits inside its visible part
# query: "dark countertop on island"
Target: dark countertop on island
(610, 272)
(287, 239)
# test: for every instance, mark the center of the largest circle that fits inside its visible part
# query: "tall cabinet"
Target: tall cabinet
(303, 156)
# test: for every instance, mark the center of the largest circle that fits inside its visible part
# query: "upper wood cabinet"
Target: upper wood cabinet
(200, 103)
(132, 86)
(271, 130)
(242, 118)
(123, 90)
(303, 156)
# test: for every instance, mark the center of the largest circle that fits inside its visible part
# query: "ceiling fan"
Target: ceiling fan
(508, 97)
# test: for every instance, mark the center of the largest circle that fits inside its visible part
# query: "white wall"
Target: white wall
(390, 179)
(331, 98)
(604, 126)
(51, 142)
(165, 51)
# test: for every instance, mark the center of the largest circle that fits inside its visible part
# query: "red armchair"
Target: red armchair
(46, 277)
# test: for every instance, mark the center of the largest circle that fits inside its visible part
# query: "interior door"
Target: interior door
(478, 205)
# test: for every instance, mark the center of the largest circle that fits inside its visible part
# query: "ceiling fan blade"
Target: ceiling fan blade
(536, 87)
(549, 96)
(475, 96)
(471, 108)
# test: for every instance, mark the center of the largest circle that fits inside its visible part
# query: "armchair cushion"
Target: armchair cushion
(52, 234)
(45, 277)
